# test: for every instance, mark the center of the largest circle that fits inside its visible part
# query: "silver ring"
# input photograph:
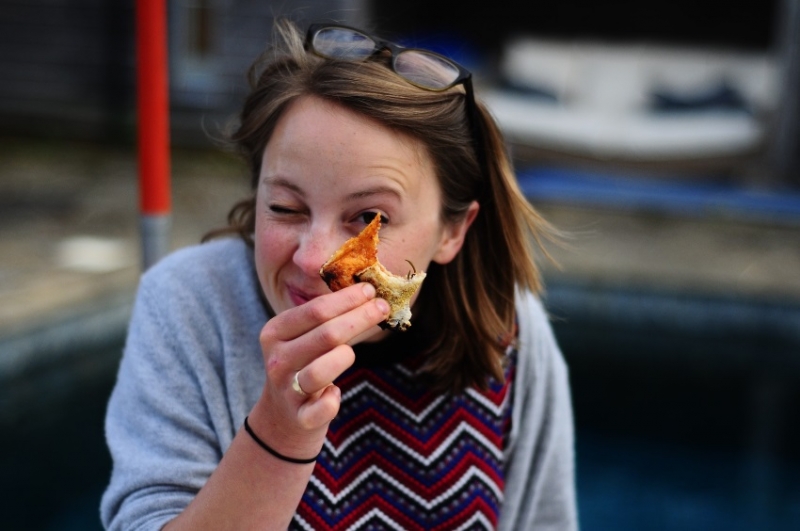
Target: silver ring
(296, 385)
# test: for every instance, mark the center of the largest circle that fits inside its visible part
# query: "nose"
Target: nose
(314, 249)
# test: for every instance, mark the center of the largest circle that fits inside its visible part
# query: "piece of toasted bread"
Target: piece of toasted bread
(357, 261)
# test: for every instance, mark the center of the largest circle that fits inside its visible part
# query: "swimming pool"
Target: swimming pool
(668, 438)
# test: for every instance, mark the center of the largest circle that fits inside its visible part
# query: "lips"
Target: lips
(299, 296)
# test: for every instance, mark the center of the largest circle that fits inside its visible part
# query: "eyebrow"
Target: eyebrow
(283, 183)
(280, 182)
(377, 190)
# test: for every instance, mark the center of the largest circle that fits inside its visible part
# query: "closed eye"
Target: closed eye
(278, 209)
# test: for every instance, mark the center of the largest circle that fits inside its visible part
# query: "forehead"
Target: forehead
(331, 139)
(329, 123)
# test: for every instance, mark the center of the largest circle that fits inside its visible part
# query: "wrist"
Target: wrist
(274, 453)
(283, 435)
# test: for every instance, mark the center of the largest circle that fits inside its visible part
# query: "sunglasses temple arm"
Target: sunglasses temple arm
(473, 115)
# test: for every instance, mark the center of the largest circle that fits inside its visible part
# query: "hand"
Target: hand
(310, 341)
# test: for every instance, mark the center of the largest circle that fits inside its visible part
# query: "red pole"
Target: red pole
(153, 127)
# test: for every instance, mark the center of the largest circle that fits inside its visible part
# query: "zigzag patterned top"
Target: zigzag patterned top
(401, 456)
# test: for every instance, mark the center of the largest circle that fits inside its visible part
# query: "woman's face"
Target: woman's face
(325, 172)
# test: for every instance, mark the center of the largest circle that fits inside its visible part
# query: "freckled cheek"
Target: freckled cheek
(398, 257)
(272, 252)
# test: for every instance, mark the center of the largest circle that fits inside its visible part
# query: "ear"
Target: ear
(454, 234)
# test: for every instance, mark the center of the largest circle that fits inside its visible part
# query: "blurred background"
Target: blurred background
(661, 137)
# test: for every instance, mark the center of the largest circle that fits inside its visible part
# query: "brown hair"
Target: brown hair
(474, 294)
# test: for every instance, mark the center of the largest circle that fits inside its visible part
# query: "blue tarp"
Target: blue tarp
(677, 196)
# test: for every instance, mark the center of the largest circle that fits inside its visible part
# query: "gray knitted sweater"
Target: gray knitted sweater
(192, 370)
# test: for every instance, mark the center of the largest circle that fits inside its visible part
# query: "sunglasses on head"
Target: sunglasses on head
(422, 68)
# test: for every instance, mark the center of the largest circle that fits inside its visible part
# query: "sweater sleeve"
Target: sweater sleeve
(540, 474)
(169, 419)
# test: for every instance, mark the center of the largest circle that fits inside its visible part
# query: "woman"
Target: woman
(320, 419)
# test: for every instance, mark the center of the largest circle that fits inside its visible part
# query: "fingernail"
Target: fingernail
(383, 306)
(368, 289)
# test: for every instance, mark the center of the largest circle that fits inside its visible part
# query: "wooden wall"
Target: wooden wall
(67, 67)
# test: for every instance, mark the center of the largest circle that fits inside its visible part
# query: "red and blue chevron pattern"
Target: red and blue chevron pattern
(401, 456)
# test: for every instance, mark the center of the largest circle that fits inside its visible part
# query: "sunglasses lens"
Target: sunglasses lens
(343, 43)
(426, 70)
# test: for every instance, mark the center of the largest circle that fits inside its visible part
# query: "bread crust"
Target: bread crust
(357, 261)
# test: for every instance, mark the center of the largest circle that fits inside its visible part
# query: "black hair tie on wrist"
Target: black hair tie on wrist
(280, 456)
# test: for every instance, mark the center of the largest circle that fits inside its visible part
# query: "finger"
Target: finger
(321, 410)
(321, 372)
(297, 321)
(340, 330)
(289, 357)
